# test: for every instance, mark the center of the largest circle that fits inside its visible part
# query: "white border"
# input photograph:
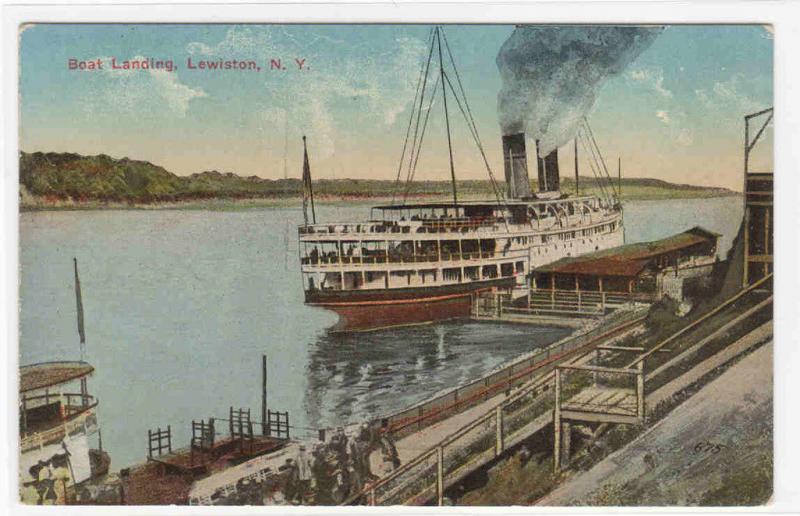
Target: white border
(784, 15)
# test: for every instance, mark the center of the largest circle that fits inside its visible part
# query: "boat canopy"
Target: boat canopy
(48, 374)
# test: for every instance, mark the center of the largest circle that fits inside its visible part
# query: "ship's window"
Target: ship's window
(451, 274)
(352, 280)
(507, 269)
(490, 271)
(520, 267)
(428, 275)
(471, 273)
(449, 249)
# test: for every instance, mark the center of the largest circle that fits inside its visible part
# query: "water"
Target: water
(180, 305)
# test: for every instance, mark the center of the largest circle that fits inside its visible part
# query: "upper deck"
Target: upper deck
(54, 400)
(472, 218)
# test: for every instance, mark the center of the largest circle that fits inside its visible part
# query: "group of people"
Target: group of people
(338, 468)
(325, 473)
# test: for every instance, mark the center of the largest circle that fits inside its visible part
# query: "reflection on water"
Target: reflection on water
(352, 376)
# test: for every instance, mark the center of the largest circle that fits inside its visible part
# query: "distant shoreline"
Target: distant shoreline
(66, 181)
(283, 202)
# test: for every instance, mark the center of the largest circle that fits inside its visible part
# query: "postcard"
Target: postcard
(395, 264)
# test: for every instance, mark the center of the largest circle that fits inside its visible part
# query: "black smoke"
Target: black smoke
(551, 75)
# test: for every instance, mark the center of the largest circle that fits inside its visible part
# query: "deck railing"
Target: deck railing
(335, 259)
(555, 301)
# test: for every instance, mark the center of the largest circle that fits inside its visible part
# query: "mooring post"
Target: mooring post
(498, 418)
(597, 363)
(557, 423)
(440, 476)
(264, 430)
(640, 391)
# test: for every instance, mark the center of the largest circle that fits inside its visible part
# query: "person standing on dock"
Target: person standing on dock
(303, 473)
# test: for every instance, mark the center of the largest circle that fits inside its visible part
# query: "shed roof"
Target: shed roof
(628, 260)
(47, 374)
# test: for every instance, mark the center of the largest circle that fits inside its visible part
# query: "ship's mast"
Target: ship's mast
(285, 143)
(447, 121)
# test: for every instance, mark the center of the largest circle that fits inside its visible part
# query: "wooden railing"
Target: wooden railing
(82, 417)
(515, 418)
(520, 371)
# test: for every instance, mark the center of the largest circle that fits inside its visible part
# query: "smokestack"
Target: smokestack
(549, 180)
(515, 160)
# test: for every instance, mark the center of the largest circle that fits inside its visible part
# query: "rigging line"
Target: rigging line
(603, 161)
(477, 142)
(592, 163)
(447, 123)
(408, 131)
(413, 170)
(417, 145)
(425, 127)
(471, 120)
(598, 172)
(422, 98)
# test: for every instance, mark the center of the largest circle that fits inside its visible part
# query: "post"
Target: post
(577, 177)
(557, 424)
(640, 392)
(619, 176)
(498, 418)
(264, 429)
(84, 393)
(746, 244)
(766, 238)
(602, 296)
(440, 476)
(24, 424)
(566, 442)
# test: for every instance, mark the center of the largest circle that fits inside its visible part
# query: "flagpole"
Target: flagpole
(307, 180)
(79, 305)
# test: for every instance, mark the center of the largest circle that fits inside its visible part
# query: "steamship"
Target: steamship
(412, 263)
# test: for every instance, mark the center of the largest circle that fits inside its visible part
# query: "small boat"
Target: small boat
(57, 417)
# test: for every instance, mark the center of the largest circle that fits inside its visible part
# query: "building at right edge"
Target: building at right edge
(758, 204)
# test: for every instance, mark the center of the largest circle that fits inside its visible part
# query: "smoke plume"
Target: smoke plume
(551, 75)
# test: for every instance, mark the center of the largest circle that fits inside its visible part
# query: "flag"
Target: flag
(308, 192)
(79, 302)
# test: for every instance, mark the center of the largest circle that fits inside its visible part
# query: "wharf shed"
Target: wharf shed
(645, 270)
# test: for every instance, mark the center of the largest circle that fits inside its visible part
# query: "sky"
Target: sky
(676, 113)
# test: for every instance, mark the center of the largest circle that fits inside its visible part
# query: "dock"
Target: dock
(602, 383)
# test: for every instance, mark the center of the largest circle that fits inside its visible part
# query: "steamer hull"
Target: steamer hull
(366, 311)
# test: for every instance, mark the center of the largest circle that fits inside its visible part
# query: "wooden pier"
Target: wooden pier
(438, 456)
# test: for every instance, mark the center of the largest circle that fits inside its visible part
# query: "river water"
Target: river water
(181, 304)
